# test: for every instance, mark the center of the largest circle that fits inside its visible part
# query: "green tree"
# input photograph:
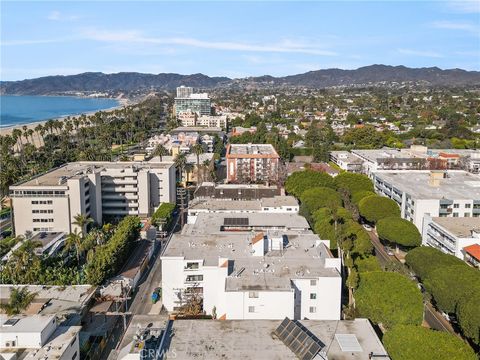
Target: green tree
(19, 300)
(469, 317)
(160, 151)
(319, 197)
(353, 182)
(374, 208)
(451, 285)
(327, 221)
(389, 298)
(300, 181)
(407, 342)
(367, 264)
(359, 195)
(424, 260)
(75, 240)
(82, 221)
(399, 231)
(198, 150)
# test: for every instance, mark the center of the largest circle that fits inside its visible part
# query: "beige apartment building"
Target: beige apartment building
(100, 190)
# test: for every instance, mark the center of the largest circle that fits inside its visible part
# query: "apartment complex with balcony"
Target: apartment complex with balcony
(100, 190)
(252, 266)
(252, 163)
(454, 193)
(191, 119)
(451, 235)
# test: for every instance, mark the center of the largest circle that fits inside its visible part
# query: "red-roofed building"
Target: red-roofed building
(472, 255)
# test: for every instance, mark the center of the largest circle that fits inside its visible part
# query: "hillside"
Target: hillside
(138, 82)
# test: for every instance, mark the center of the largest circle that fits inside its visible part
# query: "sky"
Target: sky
(234, 39)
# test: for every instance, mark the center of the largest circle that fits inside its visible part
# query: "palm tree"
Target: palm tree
(198, 150)
(19, 300)
(82, 221)
(75, 239)
(180, 162)
(206, 166)
(160, 151)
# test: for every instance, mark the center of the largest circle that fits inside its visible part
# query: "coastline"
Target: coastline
(8, 129)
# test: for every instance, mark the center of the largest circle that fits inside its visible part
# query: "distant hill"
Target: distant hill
(377, 74)
(100, 82)
(138, 82)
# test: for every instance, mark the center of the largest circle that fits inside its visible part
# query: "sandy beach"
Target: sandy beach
(37, 140)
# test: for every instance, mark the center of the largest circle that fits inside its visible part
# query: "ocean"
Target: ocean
(22, 110)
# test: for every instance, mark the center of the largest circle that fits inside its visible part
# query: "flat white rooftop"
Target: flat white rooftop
(250, 205)
(461, 227)
(251, 149)
(457, 185)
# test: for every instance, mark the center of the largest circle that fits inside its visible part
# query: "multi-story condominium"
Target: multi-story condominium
(451, 235)
(252, 163)
(187, 118)
(38, 337)
(219, 121)
(100, 190)
(454, 193)
(184, 91)
(252, 266)
(346, 161)
(191, 102)
(235, 192)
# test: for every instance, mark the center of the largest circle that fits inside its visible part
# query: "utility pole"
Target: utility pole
(182, 196)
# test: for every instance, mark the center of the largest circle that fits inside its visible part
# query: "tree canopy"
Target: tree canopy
(353, 182)
(389, 298)
(324, 220)
(399, 231)
(425, 259)
(374, 208)
(359, 195)
(320, 197)
(367, 264)
(406, 342)
(300, 181)
(469, 317)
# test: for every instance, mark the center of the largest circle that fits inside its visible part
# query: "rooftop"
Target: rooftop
(459, 226)
(198, 129)
(75, 170)
(473, 250)
(213, 204)
(457, 185)
(251, 150)
(255, 339)
(24, 324)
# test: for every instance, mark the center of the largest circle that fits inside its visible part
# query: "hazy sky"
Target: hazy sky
(234, 39)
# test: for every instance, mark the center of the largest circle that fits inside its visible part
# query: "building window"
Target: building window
(466, 214)
(313, 309)
(455, 214)
(251, 309)
(456, 206)
(253, 294)
(313, 282)
(313, 296)
(192, 265)
(468, 206)
(195, 278)
(74, 356)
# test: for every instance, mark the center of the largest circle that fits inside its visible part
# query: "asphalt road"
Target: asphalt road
(432, 317)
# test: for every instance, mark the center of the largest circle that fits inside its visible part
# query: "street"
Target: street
(432, 317)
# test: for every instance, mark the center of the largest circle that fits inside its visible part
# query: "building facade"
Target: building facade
(192, 102)
(433, 193)
(252, 163)
(451, 235)
(100, 190)
(251, 266)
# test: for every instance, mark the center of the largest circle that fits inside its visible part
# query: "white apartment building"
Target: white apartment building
(346, 161)
(451, 235)
(37, 337)
(454, 193)
(252, 266)
(192, 119)
(100, 190)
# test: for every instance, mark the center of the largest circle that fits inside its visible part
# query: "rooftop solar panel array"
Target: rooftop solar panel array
(235, 222)
(299, 339)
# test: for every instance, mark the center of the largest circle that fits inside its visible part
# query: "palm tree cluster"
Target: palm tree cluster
(28, 152)
(20, 299)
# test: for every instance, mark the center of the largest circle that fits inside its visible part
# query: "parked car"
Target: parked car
(156, 295)
(367, 227)
(389, 251)
(446, 316)
(421, 287)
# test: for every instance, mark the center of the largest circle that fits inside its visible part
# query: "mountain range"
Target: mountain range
(138, 82)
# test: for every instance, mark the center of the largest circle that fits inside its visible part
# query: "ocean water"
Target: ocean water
(21, 110)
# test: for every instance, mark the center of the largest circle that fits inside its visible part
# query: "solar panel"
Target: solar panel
(235, 221)
(299, 339)
(348, 342)
(11, 322)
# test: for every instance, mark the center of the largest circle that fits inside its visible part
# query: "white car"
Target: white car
(367, 227)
